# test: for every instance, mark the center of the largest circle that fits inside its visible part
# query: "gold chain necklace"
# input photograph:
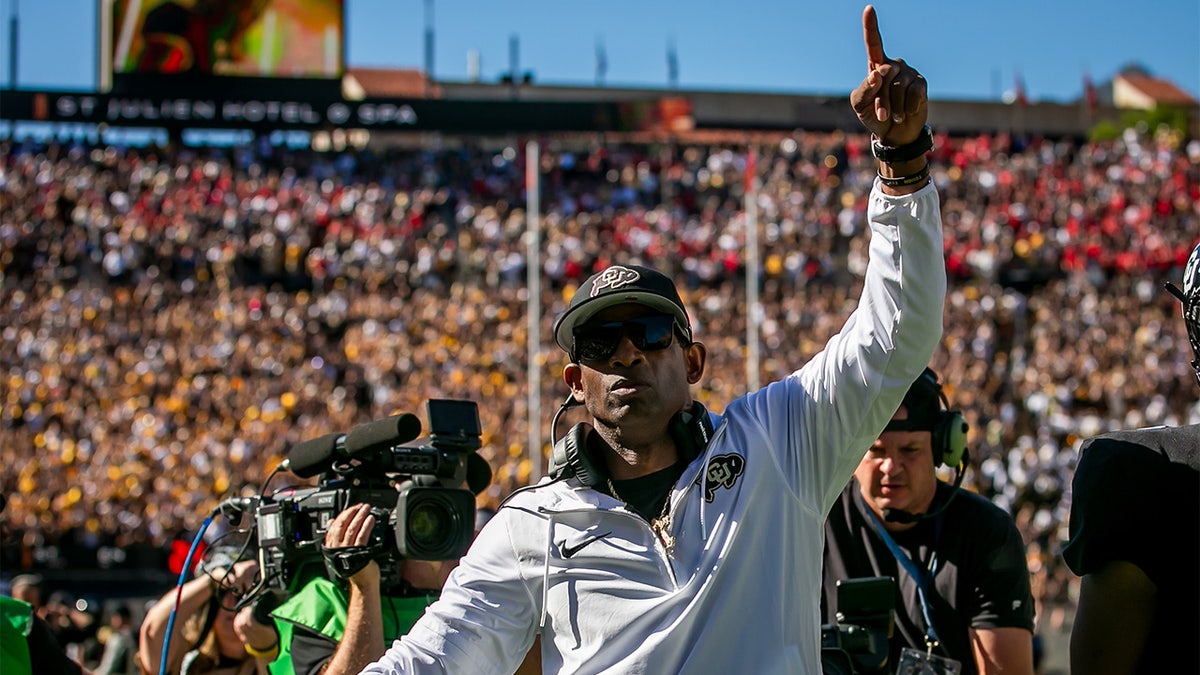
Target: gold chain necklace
(661, 526)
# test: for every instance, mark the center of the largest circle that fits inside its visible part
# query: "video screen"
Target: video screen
(248, 38)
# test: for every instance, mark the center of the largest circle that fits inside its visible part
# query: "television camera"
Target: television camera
(414, 487)
(858, 643)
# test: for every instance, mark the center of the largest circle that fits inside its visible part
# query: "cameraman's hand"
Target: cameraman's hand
(892, 102)
(253, 634)
(239, 578)
(353, 527)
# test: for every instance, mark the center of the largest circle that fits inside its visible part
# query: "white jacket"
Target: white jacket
(740, 593)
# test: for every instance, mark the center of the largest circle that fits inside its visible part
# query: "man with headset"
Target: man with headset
(962, 582)
(661, 543)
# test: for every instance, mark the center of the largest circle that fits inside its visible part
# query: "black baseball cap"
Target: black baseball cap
(922, 402)
(619, 285)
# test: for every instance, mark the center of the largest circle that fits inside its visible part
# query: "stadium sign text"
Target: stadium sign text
(263, 111)
(117, 110)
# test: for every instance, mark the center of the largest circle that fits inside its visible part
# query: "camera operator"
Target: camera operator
(361, 555)
(959, 561)
(28, 645)
(338, 628)
(1135, 538)
(319, 640)
(73, 626)
(216, 638)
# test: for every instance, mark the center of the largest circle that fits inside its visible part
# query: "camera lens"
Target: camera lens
(434, 523)
(429, 523)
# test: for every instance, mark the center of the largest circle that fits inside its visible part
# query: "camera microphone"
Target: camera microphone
(312, 457)
(901, 516)
(366, 438)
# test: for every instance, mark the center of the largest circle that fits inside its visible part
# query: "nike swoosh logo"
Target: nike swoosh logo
(568, 551)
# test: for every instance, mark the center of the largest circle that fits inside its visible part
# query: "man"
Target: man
(28, 645)
(338, 627)
(208, 633)
(1135, 516)
(964, 550)
(120, 648)
(27, 588)
(663, 545)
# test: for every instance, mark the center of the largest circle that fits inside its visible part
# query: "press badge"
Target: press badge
(914, 662)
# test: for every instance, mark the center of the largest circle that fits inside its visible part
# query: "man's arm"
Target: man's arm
(850, 389)
(1112, 622)
(1007, 651)
(194, 595)
(362, 641)
(1000, 626)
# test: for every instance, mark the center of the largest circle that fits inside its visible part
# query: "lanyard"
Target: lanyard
(919, 575)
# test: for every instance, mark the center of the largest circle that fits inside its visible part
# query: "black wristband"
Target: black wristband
(906, 152)
(905, 181)
(344, 562)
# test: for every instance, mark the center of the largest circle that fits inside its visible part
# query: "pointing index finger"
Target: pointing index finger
(872, 39)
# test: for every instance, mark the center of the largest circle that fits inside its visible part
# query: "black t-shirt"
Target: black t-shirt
(647, 495)
(46, 655)
(1136, 498)
(311, 650)
(980, 575)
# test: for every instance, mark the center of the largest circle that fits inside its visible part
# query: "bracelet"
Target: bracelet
(906, 152)
(906, 181)
(267, 653)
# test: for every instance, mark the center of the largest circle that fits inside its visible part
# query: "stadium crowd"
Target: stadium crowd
(176, 319)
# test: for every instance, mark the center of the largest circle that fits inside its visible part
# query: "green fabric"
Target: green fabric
(15, 623)
(321, 605)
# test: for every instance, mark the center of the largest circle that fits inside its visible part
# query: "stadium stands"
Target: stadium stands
(176, 319)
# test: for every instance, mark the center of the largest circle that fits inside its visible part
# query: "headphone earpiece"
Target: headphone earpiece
(691, 431)
(950, 429)
(572, 456)
(949, 438)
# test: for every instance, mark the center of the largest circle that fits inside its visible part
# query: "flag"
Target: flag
(1090, 96)
(601, 62)
(751, 170)
(1019, 89)
(672, 64)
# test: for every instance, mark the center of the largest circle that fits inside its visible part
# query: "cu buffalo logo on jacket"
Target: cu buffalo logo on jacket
(722, 472)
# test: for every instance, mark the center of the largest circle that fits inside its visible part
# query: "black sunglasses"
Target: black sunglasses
(648, 333)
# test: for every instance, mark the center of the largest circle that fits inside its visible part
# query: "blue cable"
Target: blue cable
(187, 564)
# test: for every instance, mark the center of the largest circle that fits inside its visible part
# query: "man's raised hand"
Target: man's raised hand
(892, 101)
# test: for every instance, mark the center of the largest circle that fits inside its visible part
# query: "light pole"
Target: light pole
(12, 47)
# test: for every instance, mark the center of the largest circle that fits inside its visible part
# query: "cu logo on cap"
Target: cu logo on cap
(614, 277)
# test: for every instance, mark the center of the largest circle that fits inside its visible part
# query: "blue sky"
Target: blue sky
(966, 48)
